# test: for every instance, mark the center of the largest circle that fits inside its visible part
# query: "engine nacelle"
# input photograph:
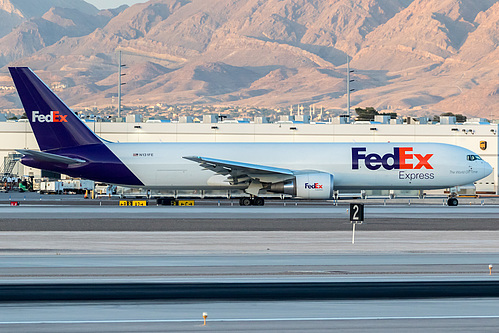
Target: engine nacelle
(313, 185)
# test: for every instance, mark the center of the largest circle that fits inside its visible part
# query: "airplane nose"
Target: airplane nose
(487, 169)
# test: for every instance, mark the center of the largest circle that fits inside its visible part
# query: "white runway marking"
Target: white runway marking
(139, 321)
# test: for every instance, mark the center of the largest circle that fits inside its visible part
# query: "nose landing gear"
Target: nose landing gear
(452, 202)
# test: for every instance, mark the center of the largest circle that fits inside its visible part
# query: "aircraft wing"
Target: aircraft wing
(240, 172)
(48, 157)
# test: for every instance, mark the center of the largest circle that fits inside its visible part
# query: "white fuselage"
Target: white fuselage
(353, 165)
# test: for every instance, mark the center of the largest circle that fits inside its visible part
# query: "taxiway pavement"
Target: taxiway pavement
(424, 315)
(234, 218)
(89, 243)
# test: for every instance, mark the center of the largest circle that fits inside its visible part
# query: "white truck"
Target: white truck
(51, 187)
(75, 186)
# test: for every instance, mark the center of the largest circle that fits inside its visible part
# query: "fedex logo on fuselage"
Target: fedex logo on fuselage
(402, 158)
(53, 117)
(313, 186)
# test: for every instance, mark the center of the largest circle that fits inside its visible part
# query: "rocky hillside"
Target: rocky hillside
(413, 57)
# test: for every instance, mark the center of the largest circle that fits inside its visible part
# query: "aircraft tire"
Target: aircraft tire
(164, 201)
(258, 201)
(452, 202)
(245, 202)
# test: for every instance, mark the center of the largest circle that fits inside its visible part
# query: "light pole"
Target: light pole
(348, 87)
(120, 84)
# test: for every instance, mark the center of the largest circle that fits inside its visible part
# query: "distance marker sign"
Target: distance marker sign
(356, 213)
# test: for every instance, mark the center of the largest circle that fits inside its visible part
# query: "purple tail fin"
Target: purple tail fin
(68, 146)
(55, 126)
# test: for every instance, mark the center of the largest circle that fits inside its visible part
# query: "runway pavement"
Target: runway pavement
(30, 217)
(247, 242)
(87, 242)
(427, 315)
(246, 267)
(378, 315)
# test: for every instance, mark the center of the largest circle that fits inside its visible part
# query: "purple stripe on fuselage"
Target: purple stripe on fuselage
(102, 165)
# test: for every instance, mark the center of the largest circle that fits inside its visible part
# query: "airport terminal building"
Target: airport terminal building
(477, 135)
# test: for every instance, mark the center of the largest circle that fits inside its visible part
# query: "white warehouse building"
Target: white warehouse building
(479, 137)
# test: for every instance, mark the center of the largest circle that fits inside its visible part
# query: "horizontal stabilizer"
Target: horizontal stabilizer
(48, 157)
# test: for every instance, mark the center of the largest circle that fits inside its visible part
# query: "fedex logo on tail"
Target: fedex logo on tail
(53, 117)
(402, 158)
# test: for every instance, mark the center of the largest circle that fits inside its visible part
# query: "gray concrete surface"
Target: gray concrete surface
(55, 211)
(307, 242)
(442, 315)
(226, 218)
(256, 268)
(255, 242)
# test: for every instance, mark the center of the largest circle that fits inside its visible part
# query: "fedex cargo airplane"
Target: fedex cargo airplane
(303, 170)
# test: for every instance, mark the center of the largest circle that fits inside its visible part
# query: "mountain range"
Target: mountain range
(414, 57)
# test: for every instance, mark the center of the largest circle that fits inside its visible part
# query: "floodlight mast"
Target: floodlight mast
(120, 84)
(348, 87)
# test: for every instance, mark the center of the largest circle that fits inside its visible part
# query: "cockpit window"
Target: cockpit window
(473, 158)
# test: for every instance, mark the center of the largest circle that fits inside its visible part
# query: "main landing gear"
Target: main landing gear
(253, 201)
(452, 202)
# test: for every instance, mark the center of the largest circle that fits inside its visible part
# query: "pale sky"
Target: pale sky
(105, 4)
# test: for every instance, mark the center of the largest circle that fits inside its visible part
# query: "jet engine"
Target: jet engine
(312, 185)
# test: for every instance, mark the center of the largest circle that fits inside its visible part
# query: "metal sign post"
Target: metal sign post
(356, 217)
